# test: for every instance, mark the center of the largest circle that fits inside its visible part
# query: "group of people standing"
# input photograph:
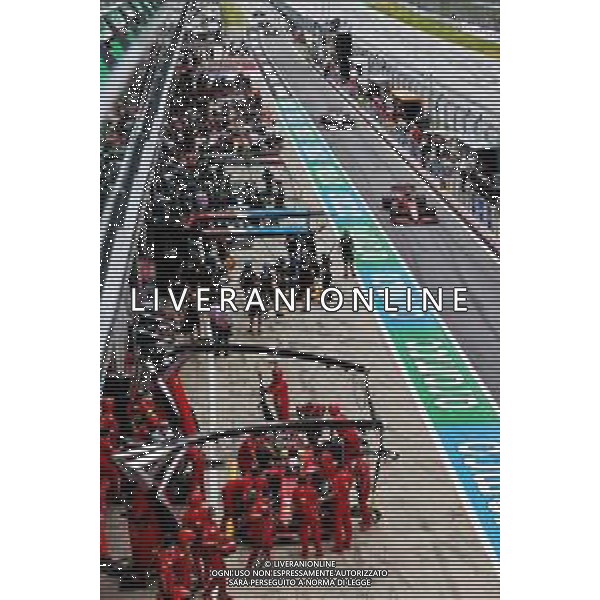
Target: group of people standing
(291, 484)
(184, 242)
(302, 269)
(299, 483)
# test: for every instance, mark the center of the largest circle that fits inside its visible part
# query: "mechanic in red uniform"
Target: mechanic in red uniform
(353, 459)
(306, 508)
(249, 451)
(231, 496)
(177, 568)
(196, 499)
(197, 511)
(279, 388)
(362, 475)
(350, 436)
(215, 545)
(108, 421)
(196, 518)
(327, 464)
(109, 480)
(260, 528)
(341, 484)
(308, 463)
(246, 455)
(195, 455)
(144, 532)
(145, 419)
(256, 481)
(238, 494)
(312, 410)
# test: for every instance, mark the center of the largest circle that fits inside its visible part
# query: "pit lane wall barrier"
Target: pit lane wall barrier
(459, 409)
(438, 28)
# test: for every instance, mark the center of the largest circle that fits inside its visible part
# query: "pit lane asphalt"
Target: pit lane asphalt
(446, 254)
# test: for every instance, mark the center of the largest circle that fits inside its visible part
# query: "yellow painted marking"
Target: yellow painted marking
(440, 29)
(232, 15)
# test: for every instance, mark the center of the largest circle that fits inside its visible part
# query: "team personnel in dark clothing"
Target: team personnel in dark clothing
(279, 196)
(255, 316)
(292, 244)
(248, 279)
(306, 278)
(326, 276)
(310, 244)
(268, 179)
(267, 290)
(281, 274)
(220, 323)
(347, 246)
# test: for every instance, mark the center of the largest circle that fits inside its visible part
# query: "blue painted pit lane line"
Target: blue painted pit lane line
(474, 452)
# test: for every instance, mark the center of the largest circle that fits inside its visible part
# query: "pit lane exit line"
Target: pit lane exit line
(455, 400)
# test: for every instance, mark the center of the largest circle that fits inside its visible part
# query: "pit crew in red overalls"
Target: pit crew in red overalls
(327, 464)
(306, 509)
(231, 495)
(109, 481)
(249, 450)
(308, 463)
(312, 410)
(197, 458)
(256, 481)
(215, 545)
(197, 518)
(177, 568)
(246, 456)
(279, 389)
(145, 419)
(108, 422)
(349, 435)
(362, 475)
(260, 528)
(197, 511)
(355, 461)
(238, 494)
(287, 485)
(341, 484)
(144, 531)
(253, 485)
